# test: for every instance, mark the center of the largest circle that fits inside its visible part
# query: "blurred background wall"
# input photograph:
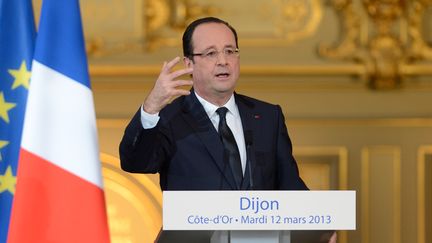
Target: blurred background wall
(354, 79)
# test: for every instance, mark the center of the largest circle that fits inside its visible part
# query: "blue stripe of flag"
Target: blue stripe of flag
(60, 44)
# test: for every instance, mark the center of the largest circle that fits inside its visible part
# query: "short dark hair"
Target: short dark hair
(187, 35)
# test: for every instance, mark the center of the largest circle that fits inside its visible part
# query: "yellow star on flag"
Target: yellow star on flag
(2, 144)
(5, 107)
(21, 75)
(7, 181)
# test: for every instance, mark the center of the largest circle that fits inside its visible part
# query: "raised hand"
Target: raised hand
(167, 87)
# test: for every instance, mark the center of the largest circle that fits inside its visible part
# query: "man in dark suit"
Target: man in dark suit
(180, 140)
(209, 138)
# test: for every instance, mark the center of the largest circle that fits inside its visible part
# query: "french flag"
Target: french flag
(59, 192)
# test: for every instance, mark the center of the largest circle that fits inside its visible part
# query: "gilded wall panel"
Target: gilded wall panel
(316, 174)
(428, 198)
(323, 167)
(381, 194)
(424, 192)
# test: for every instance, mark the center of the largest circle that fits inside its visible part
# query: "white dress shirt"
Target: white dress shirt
(232, 117)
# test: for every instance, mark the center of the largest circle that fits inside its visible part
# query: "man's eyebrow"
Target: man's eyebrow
(214, 47)
(209, 48)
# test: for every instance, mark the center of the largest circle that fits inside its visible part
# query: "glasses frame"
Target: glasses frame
(206, 54)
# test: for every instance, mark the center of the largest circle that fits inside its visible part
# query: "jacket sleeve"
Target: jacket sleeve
(144, 150)
(288, 177)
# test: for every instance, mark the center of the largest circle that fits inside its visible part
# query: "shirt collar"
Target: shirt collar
(210, 108)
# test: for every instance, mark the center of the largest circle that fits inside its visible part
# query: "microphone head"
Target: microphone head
(248, 137)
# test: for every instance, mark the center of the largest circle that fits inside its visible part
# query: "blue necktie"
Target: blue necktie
(231, 152)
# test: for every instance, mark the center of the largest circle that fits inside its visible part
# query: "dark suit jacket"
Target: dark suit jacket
(186, 150)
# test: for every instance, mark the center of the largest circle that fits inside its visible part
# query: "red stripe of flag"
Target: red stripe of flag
(55, 205)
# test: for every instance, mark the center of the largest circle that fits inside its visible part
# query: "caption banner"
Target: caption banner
(259, 210)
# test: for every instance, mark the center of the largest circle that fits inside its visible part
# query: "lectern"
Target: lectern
(256, 236)
(255, 216)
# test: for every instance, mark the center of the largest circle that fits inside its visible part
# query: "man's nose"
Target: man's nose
(221, 58)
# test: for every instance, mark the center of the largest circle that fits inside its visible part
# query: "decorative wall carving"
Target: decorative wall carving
(166, 20)
(385, 43)
(154, 24)
(275, 22)
(387, 51)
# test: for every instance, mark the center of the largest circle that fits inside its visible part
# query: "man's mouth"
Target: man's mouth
(222, 75)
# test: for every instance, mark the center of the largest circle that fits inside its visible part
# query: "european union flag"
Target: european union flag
(17, 33)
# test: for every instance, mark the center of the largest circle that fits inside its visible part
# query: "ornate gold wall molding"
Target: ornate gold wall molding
(166, 20)
(423, 151)
(387, 55)
(372, 160)
(278, 22)
(150, 25)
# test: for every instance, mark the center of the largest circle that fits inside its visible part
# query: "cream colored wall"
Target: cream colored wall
(345, 135)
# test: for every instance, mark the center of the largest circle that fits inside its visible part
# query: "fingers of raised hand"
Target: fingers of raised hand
(167, 78)
(167, 86)
(169, 65)
(181, 72)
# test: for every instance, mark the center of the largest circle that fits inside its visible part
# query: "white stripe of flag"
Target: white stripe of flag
(60, 111)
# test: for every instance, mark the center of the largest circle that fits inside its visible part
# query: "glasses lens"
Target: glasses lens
(214, 54)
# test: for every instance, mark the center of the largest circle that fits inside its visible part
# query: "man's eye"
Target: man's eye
(229, 51)
(211, 54)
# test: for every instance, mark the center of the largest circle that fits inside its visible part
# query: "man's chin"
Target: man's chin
(225, 90)
(226, 86)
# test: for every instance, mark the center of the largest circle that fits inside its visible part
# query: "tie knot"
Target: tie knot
(222, 111)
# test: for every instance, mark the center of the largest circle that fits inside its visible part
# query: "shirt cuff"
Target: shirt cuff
(149, 120)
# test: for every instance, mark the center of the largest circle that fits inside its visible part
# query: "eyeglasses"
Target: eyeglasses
(229, 53)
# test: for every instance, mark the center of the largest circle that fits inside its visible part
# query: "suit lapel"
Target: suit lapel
(250, 122)
(195, 115)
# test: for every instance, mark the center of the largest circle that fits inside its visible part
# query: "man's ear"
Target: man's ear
(187, 62)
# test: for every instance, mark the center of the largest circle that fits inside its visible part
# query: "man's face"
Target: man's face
(214, 77)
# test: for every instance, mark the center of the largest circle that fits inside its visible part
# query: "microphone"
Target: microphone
(249, 141)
